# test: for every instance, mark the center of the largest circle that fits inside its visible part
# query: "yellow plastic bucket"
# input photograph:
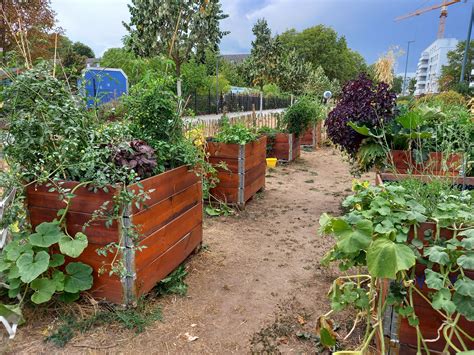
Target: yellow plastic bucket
(271, 162)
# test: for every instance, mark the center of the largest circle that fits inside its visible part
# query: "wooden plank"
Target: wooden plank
(231, 164)
(225, 194)
(162, 186)
(228, 179)
(97, 232)
(255, 173)
(161, 213)
(254, 187)
(160, 241)
(148, 277)
(85, 201)
(222, 150)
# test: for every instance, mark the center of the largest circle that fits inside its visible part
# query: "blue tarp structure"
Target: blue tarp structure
(101, 85)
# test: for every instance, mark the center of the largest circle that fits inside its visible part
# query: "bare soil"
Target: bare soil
(257, 285)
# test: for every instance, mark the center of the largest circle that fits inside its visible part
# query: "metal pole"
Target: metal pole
(217, 84)
(406, 68)
(468, 42)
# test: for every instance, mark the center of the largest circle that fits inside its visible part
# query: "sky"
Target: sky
(368, 25)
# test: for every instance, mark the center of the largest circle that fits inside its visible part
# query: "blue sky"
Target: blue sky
(368, 25)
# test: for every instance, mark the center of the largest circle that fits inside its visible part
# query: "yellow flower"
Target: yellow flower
(358, 207)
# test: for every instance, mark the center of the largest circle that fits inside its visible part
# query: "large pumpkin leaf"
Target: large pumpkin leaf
(47, 234)
(14, 249)
(442, 300)
(78, 278)
(434, 279)
(31, 266)
(44, 289)
(56, 260)
(73, 247)
(468, 241)
(466, 261)
(352, 239)
(386, 258)
(465, 287)
(437, 254)
(464, 305)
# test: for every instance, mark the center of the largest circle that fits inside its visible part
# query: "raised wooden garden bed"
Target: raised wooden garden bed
(436, 164)
(463, 182)
(245, 172)
(308, 138)
(285, 147)
(169, 227)
(312, 137)
(398, 333)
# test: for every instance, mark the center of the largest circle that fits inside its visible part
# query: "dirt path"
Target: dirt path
(256, 286)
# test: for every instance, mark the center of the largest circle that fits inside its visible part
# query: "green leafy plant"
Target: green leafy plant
(374, 234)
(234, 134)
(174, 283)
(298, 116)
(136, 319)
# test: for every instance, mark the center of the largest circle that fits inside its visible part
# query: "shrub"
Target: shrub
(365, 104)
(299, 116)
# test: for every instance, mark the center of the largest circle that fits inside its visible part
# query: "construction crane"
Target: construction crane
(442, 16)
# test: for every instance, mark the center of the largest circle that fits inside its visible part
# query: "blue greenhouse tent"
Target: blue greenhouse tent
(101, 85)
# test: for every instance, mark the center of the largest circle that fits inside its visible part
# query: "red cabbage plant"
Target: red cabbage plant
(366, 104)
(136, 155)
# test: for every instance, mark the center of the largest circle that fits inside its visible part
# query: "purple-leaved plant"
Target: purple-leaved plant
(364, 103)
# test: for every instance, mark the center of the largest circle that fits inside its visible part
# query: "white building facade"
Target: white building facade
(430, 64)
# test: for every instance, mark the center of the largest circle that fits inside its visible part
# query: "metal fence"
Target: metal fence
(208, 104)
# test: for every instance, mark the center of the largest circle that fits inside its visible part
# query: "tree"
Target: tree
(83, 50)
(318, 83)
(412, 86)
(321, 46)
(33, 21)
(175, 28)
(263, 63)
(397, 85)
(135, 67)
(293, 73)
(450, 73)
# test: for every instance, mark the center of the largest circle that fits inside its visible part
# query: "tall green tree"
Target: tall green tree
(83, 50)
(321, 46)
(175, 28)
(263, 63)
(317, 83)
(450, 73)
(293, 73)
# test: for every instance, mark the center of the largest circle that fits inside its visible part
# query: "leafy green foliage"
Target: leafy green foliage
(174, 283)
(375, 233)
(153, 24)
(235, 134)
(322, 47)
(298, 117)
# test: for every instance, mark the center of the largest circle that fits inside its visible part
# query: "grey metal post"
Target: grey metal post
(217, 84)
(406, 68)
(468, 42)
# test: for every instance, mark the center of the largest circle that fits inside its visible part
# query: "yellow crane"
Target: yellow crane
(442, 16)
